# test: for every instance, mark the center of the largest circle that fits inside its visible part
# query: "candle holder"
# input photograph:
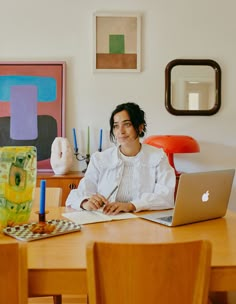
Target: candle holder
(42, 217)
(81, 157)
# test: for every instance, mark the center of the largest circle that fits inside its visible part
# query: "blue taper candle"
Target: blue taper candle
(100, 141)
(75, 141)
(42, 197)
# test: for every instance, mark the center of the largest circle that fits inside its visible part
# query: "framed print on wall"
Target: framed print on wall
(32, 106)
(117, 42)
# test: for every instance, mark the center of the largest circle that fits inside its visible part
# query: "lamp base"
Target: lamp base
(171, 161)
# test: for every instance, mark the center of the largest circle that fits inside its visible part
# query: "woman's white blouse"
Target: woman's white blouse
(151, 188)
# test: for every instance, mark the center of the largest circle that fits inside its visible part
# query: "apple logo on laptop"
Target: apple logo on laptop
(205, 196)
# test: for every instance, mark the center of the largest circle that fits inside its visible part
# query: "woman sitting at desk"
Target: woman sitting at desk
(139, 174)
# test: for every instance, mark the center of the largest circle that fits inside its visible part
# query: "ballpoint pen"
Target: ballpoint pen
(109, 196)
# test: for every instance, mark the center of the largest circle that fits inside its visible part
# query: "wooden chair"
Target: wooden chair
(13, 273)
(148, 273)
(53, 198)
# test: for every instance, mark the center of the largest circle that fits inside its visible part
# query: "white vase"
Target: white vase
(61, 155)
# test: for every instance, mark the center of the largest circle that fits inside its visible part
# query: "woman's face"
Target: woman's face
(123, 129)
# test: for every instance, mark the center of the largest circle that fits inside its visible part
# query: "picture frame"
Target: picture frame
(32, 106)
(117, 42)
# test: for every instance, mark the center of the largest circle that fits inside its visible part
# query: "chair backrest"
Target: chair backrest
(53, 196)
(13, 273)
(148, 273)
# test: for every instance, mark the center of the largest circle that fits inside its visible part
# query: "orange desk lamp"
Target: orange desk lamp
(172, 144)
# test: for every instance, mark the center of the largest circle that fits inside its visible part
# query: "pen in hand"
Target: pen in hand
(109, 196)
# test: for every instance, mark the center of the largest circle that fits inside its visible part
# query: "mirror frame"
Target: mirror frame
(194, 62)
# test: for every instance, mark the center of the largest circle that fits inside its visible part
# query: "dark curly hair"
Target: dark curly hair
(137, 118)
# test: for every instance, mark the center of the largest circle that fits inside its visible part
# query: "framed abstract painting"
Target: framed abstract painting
(117, 42)
(32, 106)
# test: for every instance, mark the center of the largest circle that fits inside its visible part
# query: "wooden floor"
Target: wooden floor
(65, 300)
(223, 298)
(230, 299)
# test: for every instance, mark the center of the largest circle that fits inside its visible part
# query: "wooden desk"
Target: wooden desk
(57, 265)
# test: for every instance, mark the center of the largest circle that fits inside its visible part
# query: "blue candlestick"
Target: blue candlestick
(100, 141)
(75, 141)
(42, 197)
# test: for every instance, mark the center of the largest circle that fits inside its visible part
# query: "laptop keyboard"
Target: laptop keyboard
(166, 218)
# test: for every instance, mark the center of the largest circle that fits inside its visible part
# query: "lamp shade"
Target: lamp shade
(173, 144)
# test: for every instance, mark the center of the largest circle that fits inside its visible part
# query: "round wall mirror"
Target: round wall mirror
(193, 87)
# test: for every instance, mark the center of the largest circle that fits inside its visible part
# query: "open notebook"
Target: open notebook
(88, 217)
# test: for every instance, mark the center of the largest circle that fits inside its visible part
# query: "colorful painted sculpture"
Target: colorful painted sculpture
(18, 173)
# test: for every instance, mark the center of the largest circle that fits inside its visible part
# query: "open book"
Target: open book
(88, 217)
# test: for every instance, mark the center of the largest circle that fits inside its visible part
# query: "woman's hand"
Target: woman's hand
(117, 207)
(95, 202)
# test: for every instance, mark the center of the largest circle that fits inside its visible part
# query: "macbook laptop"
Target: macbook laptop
(200, 196)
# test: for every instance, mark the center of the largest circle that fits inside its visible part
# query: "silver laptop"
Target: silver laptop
(200, 196)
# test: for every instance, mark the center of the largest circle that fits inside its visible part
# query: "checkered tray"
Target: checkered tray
(24, 233)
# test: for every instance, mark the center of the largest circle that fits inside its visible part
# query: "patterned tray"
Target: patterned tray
(25, 233)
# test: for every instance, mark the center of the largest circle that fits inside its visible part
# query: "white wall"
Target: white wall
(62, 30)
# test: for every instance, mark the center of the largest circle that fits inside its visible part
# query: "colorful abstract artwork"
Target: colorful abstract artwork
(117, 39)
(18, 173)
(32, 106)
